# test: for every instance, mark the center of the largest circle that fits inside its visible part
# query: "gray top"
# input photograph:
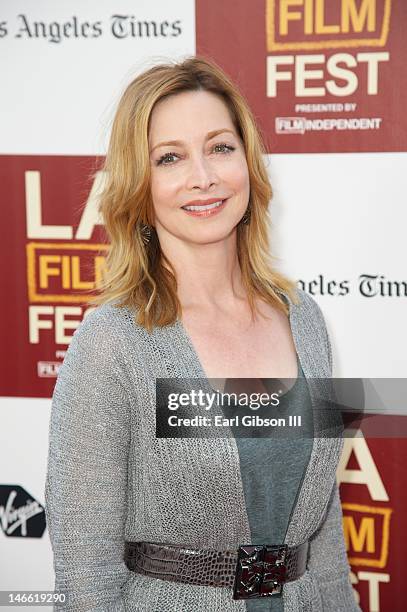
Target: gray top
(109, 479)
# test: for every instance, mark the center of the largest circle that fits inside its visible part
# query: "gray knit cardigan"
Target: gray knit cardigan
(109, 479)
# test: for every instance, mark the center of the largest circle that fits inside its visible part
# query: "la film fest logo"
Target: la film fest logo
(20, 514)
(62, 267)
(367, 526)
(300, 38)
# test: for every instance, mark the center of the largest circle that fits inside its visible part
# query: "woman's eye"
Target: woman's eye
(229, 148)
(166, 161)
(164, 158)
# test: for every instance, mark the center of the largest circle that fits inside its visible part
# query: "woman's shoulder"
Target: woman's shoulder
(308, 309)
(105, 330)
(107, 340)
(309, 326)
(108, 319)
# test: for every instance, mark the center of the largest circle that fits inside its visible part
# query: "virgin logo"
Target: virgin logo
(11, 518)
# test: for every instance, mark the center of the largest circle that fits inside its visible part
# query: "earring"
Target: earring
(145, 231)
(246, 217)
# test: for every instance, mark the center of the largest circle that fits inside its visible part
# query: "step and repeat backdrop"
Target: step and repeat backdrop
(328, 86)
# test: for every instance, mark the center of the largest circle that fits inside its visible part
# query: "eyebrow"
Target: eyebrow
(177, 143)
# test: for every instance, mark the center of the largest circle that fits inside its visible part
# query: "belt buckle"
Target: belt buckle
(260, 571)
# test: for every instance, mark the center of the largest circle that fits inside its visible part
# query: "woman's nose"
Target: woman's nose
(201, 173)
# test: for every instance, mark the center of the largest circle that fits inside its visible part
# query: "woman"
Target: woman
(139, 522)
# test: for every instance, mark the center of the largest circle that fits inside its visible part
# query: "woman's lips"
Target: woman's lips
(206, 213)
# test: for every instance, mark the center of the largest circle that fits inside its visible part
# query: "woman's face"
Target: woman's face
(204, 164)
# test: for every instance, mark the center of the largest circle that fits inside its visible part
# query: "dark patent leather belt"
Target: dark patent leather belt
(252, 571)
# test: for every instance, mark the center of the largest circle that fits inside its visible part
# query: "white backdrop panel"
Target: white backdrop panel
(58, 97)
(341, 216)
(26, 563)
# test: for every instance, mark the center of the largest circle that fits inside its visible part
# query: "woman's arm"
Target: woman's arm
(328, 560)
(86, 482)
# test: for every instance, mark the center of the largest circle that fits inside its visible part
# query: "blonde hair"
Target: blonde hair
(135, 274)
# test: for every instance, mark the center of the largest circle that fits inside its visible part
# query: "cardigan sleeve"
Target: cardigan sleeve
(86, 481)
(328, 560)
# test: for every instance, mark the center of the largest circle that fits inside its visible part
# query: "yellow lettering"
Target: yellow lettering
(320, 26)
(354, 16)
(286, 15)
(46, 270)
(350, 14)
(77, 283)
(362, 539)
(309, 17)
(66, 272)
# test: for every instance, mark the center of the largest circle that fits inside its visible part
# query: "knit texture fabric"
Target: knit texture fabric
(109, 479)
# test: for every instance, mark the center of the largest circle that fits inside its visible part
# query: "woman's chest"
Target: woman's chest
(264, 349)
